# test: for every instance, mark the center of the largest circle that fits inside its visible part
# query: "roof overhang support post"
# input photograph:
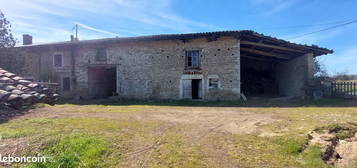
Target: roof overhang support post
(310, 69)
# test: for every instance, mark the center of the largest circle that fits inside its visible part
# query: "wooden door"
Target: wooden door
(187, 89)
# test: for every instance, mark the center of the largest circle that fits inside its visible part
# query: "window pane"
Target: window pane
(192, 59)
(66, 84)
(213, 83)
(101, 54)
(58, 60)
(189, 61)
(195, 60)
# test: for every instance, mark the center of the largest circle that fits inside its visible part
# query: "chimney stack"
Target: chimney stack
(26, 39)
(73, 39)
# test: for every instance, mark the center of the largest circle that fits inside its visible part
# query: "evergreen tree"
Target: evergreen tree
(6, 37)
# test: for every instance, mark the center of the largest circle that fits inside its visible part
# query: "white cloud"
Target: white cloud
(107, 19)
(95, 29)
(341, 61)
(274, 6)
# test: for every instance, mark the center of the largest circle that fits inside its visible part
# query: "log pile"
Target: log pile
(16, 92)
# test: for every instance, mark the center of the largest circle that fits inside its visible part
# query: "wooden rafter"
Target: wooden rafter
(254, 51)
(271, 46)
(257, 58)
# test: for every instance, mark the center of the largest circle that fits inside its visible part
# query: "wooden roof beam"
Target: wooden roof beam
(258, 58)
(271, 46)
(265, 53)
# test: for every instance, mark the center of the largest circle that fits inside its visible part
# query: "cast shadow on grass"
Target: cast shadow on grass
(7, 113)
(254, 102)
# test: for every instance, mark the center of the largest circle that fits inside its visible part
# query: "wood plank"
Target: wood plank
(265, 53)
(257, 58)
(271, 46)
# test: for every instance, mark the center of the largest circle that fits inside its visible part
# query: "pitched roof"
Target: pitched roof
(241, 34)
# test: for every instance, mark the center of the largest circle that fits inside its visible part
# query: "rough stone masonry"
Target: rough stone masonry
(178, 66)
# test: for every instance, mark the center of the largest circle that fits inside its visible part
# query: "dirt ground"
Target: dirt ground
(201, 119)
(226, 136)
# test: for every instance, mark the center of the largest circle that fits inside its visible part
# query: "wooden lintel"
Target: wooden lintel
(271, 46)
(254, 51)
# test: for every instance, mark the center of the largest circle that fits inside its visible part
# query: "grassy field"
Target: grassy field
(173, 134)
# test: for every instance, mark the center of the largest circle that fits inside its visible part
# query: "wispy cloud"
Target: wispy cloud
(274, 6)
(95, 29)
(339, 62)
(107, 19)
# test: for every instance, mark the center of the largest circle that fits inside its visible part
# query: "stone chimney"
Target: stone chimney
(26, 39)
(73, 39)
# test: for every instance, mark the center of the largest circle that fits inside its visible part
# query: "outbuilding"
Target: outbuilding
(211, 66)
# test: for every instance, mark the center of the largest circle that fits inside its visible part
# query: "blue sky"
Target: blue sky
(52, 20)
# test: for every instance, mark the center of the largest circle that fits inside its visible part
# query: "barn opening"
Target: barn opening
(258, 78)
(272, 68)
(102, 81)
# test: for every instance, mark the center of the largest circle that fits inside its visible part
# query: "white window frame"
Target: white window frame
(213, 77)
(53, 58)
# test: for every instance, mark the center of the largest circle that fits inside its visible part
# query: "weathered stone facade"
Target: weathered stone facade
(155, 69)
(148, 68)
(144, 69)
(294, 75)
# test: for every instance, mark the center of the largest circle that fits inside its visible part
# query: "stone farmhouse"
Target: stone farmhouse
(209, 66)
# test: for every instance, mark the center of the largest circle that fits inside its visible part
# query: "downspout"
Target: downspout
(73, 69)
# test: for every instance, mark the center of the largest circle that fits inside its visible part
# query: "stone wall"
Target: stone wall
(293, 75)
(36, 63)
(154, 69)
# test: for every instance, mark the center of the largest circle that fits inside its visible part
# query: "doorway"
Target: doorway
(196, 88)
(102, 82)
(192, 88)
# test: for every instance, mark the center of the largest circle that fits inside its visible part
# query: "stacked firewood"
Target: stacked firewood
(16, 92)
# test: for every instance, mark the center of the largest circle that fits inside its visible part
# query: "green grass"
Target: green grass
(299, 121)
(256, 151)
(83, 141)
(45, 136)
(325, 102)
(290, 145)
(311, 158)
(15, 129)
(143, 103)
(175, 152)
(96, 142)
(74, 150)
(342, 130)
